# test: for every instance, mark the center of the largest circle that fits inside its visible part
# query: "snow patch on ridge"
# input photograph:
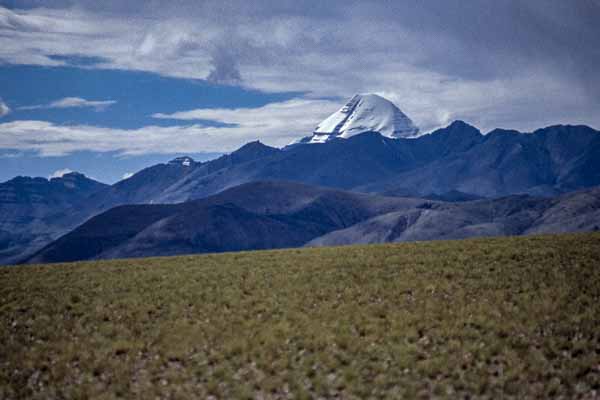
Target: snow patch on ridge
(185, 161)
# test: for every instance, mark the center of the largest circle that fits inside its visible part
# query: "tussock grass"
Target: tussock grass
(489, 318)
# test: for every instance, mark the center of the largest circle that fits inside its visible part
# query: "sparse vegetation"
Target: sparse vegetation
(490, 318)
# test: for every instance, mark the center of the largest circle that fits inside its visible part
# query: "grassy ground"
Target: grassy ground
(490, 318)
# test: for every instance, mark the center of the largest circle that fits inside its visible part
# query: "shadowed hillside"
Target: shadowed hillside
(253, 216)
(267, 215)
(35, 211)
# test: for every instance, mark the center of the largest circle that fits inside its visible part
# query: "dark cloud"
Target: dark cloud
(78, 60)
(509, 59)
(487, 39)
(224, 68)
(477, 39)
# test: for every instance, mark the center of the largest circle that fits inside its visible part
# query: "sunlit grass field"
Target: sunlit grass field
(489, 318)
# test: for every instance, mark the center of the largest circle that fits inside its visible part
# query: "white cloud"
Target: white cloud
(276, 124)
(127, 42)
(60, 173)
(127, 175)
(292, 117)
(73, 102)
(432, 64)
(4, 109)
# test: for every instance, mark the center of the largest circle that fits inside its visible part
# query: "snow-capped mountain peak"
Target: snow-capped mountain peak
(363, 113)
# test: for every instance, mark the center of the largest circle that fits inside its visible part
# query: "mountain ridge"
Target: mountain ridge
(294, 211)
(33, 211)
(275, 214)
(455, 163)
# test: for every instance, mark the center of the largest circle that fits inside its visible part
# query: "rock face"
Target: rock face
(365, 113)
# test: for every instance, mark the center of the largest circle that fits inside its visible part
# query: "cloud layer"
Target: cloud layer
(508, 64)
(72, 102)
(276, 124)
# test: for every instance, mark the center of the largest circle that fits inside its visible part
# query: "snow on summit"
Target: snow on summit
(363, 113)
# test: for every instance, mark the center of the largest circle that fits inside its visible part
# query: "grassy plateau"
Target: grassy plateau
(483, 318)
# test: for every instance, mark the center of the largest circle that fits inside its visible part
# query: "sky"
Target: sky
(107, 88)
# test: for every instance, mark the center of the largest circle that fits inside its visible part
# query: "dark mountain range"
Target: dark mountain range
(33, 211)
(548, 161)
(154, 184)
(458, 158)
(266, 215)
(257, 215)
(455, 164)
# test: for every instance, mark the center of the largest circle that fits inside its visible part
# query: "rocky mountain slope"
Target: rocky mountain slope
(509, 216)
(459, 158)
(34, 211)
(252, 216)
(266, 215)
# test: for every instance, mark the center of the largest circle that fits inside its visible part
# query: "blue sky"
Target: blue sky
(112, 98)
(107, 88)
(130, 97)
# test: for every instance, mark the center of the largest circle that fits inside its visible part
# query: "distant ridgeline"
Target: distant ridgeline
(463, 183)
